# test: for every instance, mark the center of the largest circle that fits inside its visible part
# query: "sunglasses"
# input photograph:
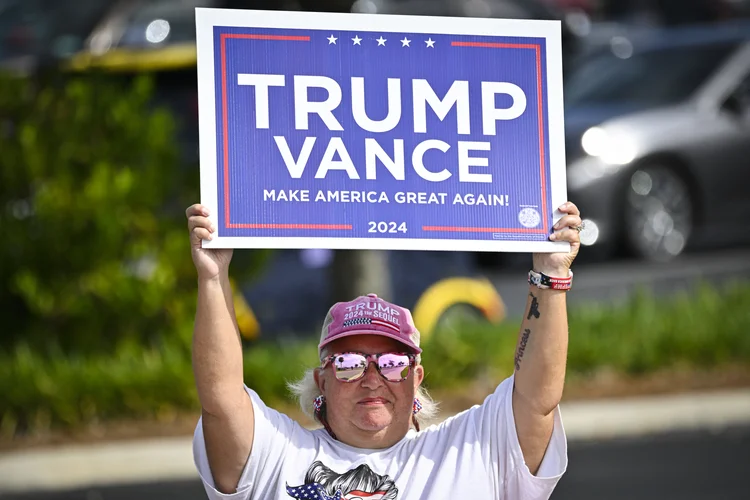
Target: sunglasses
(351, 366)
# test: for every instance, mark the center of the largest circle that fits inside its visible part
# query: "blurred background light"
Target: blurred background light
(157, 31)
(621, 47)
(593, 141)
(101, 43)
(364, 7)
(611, 148)
(590, 232)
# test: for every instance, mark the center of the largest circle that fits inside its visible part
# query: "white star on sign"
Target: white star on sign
(356, 40)
(405, 42)
(381, 41)
(332, 40)
(430, 42)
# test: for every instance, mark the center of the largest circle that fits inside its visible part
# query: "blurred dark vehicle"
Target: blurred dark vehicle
(673, 12)
(505, 9)
(599, 35)
(658, 140)
(35, 33)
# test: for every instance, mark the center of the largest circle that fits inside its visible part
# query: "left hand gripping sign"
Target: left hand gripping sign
(380, 132)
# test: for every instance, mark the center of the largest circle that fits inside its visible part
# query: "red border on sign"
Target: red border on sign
(537, 50)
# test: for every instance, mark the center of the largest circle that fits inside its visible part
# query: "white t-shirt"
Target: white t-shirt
(475, 454)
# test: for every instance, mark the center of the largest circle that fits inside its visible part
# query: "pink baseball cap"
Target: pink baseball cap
(370, 315)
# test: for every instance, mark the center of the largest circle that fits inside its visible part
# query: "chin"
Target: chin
(375, 419)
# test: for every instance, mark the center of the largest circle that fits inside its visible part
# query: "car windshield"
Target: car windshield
(656, 77)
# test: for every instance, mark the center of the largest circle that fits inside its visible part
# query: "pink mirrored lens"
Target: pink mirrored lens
(394, 367)
(349, 366)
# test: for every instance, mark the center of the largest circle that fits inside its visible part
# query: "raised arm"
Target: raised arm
(542, 348)
(228, 421)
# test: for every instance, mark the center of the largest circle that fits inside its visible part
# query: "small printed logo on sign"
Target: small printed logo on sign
(528, 217)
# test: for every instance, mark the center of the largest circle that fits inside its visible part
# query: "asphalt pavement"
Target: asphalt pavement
(685, 466)
(702, 465)
(615, 281)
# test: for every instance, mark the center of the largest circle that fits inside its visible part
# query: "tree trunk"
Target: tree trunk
(359, 272)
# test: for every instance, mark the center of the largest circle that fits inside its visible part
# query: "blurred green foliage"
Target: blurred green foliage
(645, 334)
(95, 253)
(92, 198)
(704, 330)
(97, 287)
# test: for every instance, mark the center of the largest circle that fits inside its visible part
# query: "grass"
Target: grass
(702, 330)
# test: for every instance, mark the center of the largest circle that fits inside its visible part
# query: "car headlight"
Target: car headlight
(614, 149)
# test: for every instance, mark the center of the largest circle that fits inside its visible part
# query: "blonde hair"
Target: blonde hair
(305, 391)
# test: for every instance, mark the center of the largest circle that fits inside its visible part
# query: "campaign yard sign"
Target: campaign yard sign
(357, 131)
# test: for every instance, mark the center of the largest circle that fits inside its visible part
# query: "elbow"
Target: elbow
(220, 410)
(547, 401)
(222, 400)
(542, 395)
(542, 404)
(545, 407)
(548, 407)
(225, 488)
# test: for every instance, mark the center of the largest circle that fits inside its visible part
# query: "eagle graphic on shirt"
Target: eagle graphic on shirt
(361, 483)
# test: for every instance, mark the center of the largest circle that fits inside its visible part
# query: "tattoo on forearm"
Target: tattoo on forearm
(522, 347)
(534, 308)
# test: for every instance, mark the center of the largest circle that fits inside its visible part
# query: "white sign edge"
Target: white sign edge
(208, 18)
(388, 244)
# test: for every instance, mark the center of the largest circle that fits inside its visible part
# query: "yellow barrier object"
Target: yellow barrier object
(439, 297)
(246, 320)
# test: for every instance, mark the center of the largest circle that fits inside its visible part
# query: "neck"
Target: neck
(356, 437)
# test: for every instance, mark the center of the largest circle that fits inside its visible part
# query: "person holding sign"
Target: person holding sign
(367, 395)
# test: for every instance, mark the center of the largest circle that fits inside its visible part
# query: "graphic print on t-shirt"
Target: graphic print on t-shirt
(323, 483)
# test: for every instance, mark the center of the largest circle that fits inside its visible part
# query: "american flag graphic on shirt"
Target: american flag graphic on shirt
(313, 491)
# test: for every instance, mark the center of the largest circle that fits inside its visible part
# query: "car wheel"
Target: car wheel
(658, 213)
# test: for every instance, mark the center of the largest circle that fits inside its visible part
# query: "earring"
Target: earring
(417, 406)
(415, 409)
(318, 403)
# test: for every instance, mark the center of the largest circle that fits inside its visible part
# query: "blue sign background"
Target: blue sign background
(517, 160)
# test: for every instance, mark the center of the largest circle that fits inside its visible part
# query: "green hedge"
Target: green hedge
(703, 329)
(39, 392)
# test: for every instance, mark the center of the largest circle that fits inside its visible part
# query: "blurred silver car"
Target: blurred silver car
(658, 141)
